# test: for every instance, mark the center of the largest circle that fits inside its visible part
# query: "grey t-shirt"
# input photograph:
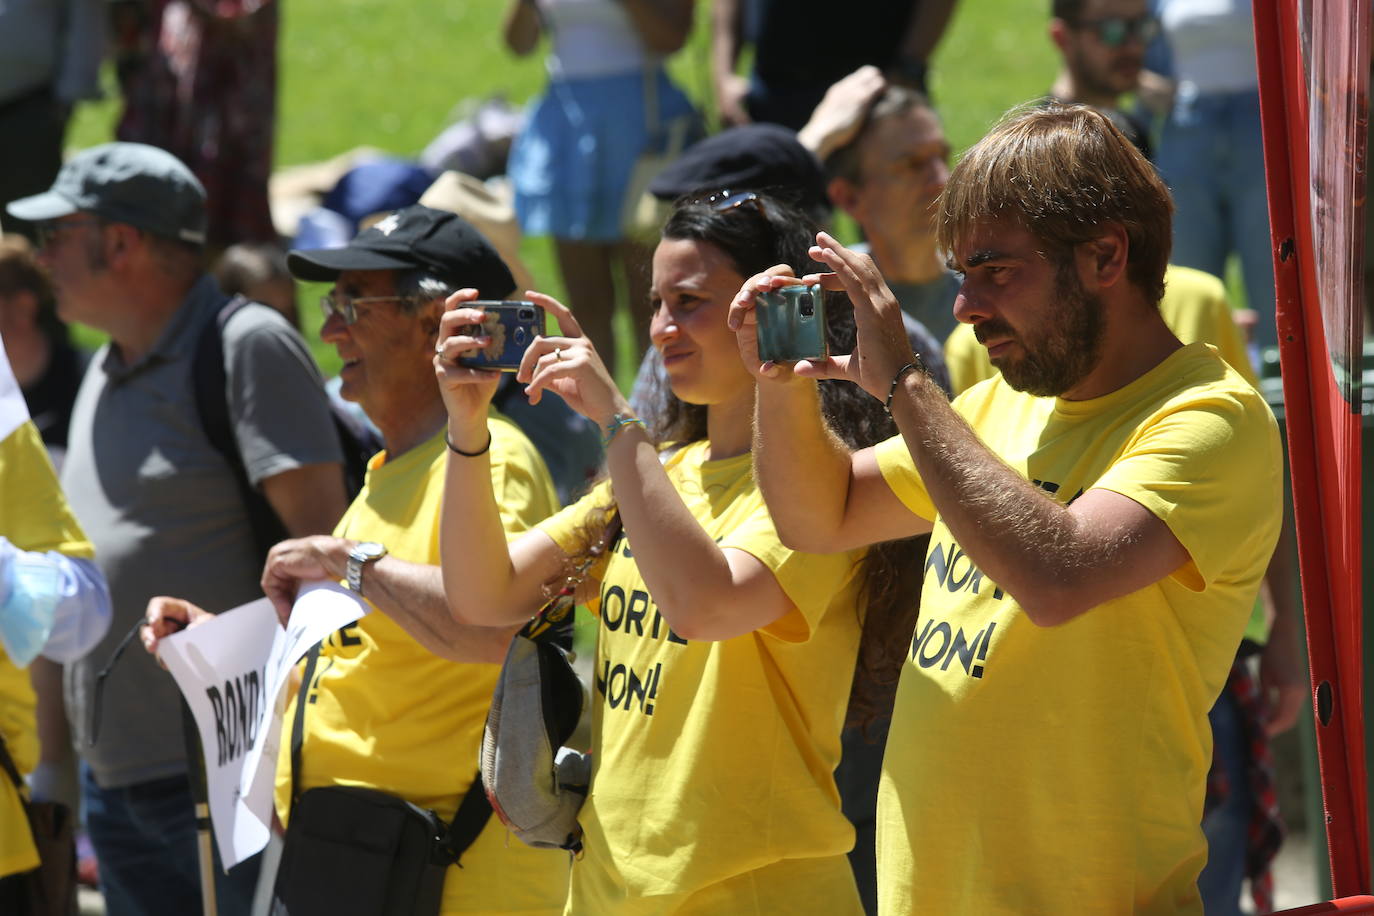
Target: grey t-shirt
(163, 510)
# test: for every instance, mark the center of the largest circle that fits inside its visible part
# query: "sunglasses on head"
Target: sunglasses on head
(1115, 31)
(725, 201)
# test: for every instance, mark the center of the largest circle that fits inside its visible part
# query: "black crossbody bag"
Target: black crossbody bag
(365, 852)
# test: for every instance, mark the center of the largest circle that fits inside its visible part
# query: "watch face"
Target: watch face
(369, 550)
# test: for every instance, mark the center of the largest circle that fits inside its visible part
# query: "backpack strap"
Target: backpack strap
(210, 383)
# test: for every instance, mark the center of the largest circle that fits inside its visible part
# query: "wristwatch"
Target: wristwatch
(363, 553)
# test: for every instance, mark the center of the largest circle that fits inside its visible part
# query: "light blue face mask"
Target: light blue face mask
(30, 590)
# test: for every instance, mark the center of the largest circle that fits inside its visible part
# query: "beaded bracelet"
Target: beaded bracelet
(917, 364)
(619, 422)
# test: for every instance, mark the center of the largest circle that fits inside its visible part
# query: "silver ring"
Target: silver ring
(558, 353)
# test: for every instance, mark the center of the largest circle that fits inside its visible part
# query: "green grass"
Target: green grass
(386, 74)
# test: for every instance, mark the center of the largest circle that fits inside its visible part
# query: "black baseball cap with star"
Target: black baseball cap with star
(417, 237)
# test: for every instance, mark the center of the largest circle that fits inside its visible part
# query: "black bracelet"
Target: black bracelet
(458, 451)
(917, 364)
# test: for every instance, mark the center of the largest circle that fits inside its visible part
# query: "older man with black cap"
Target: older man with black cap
(122, 230)
(396, 702)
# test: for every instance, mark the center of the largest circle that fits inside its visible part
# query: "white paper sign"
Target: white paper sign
(13, 410)
(233, 671)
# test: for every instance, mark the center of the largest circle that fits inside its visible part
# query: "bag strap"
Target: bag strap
(473, 810)
(468, 821)
(9, 765)
(298, 721)
(210, 383)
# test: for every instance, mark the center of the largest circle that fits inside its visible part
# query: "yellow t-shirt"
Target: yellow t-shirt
(1062, 770)
(388, 714)
(34, 515)
(713, 788)
(1194, 307)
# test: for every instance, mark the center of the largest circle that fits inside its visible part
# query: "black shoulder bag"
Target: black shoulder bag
(360, 851)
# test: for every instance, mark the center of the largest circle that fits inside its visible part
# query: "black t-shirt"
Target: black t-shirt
(801, 48)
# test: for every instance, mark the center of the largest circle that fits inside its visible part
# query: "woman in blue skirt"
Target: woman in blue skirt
(607, 102)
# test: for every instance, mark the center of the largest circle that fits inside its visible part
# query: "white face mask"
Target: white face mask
(30, 586)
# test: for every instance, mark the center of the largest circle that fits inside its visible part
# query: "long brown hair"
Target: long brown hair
(754, 237)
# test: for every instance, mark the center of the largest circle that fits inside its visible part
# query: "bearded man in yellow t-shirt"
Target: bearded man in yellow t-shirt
(397, 700)
(1101, 517)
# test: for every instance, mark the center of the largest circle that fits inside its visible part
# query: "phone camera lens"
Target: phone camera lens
(808, 306)
(526, 314)
(520, 336)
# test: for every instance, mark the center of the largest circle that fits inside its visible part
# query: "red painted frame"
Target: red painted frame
(1319, 424)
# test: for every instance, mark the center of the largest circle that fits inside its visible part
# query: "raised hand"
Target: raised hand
(882, 346)
(466, 392)
(743, 320)
(570, 367)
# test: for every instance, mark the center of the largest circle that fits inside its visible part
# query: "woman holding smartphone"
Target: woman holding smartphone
(724, 659)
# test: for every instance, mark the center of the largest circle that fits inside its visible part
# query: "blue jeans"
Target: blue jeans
(1227, 825)
(145, 839)
(1211, 155)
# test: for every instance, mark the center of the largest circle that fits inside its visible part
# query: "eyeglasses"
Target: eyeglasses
(48, 229)
(346, 307)
(1115, 31)
(725, 201)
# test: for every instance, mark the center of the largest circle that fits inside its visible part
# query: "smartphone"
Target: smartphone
(791, 323)
(509, 326)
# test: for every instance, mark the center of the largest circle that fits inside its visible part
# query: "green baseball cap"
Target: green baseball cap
(124, 183)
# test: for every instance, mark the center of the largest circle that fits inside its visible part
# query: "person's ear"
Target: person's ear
(1105, 259)
(22, 305)
(1059, 34)
(430, 313)
(121, 241)
(844, 194)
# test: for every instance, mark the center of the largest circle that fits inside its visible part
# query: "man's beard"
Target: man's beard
(1104, 78)
(1055, 358)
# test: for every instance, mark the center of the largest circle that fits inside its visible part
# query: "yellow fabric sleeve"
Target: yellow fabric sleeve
(1180, 468)
(899, 471)
(34, 515)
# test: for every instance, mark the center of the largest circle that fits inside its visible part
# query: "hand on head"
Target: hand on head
(843, 112)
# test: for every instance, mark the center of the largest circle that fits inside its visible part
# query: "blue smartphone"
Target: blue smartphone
(791, 324)
(509, 326)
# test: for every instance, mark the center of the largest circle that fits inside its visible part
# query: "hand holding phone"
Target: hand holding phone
(791, 324)
(509, 326)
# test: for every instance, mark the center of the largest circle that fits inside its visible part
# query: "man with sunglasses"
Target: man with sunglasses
(396, 701)
(1102, 45)
(123, 232)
